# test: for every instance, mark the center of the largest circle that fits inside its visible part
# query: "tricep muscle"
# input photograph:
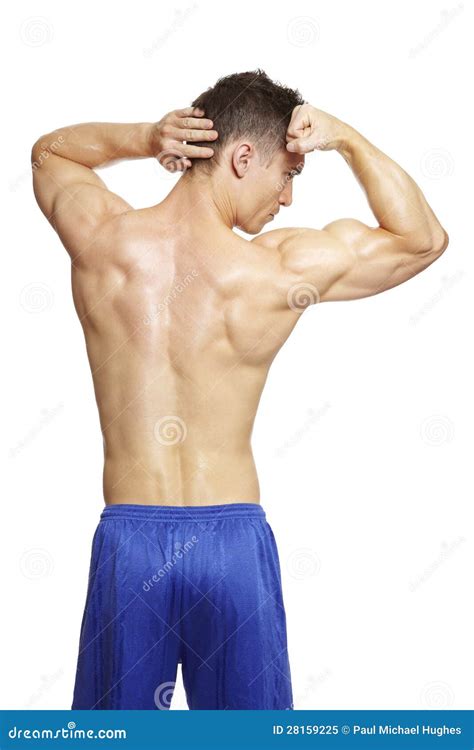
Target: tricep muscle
(73, 198)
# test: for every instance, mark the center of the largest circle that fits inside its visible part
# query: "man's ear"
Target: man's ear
(242, 156)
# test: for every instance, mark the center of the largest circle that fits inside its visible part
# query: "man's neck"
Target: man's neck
(203, 198)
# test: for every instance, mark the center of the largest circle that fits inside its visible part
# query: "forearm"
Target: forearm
(394, 197)
(96, 143)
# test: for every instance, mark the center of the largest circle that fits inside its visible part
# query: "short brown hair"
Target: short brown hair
(247, 104)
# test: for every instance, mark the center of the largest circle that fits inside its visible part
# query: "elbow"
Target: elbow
(39, 152)
(441, 242)
(437, 244)
(47, 144)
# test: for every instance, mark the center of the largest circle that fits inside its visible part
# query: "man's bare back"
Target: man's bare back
(182, 317)
(181, 327)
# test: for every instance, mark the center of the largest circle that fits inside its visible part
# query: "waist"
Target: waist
(183, 513)
(187, 479)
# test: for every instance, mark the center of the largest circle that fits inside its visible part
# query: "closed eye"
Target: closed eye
(294, 173)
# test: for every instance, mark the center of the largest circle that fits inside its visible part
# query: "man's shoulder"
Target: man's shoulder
(274, 237)
(310, 255)
(299, 248)
(289, 236)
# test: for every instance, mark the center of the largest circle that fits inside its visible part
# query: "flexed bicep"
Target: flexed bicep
(349, 260)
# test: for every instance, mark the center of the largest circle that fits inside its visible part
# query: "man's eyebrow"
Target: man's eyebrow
(295, 170)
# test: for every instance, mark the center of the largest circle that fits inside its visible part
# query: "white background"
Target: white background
(363, 436)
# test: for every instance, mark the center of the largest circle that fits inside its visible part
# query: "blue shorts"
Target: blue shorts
(197, 585)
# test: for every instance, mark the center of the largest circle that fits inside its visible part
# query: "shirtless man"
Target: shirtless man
(182, 319)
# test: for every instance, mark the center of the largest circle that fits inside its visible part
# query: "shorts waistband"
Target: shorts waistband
(187, 513)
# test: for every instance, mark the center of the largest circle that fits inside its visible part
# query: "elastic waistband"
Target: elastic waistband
(187, 513)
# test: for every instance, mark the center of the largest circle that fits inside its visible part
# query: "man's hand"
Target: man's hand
(170, 137)
(311, 129)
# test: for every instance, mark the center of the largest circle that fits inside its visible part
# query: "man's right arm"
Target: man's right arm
(348, 259)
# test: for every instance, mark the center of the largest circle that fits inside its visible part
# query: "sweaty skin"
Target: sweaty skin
(182, 317)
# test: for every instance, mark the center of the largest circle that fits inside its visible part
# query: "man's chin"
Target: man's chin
(254, 228)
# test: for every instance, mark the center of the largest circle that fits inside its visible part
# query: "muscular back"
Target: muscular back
(181, 329)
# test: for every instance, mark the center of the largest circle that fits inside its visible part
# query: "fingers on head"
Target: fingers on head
(189, 112)
(197, 152)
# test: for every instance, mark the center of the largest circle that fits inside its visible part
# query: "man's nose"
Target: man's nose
(286, 195)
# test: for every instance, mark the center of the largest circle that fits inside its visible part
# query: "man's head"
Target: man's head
(251, 114)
